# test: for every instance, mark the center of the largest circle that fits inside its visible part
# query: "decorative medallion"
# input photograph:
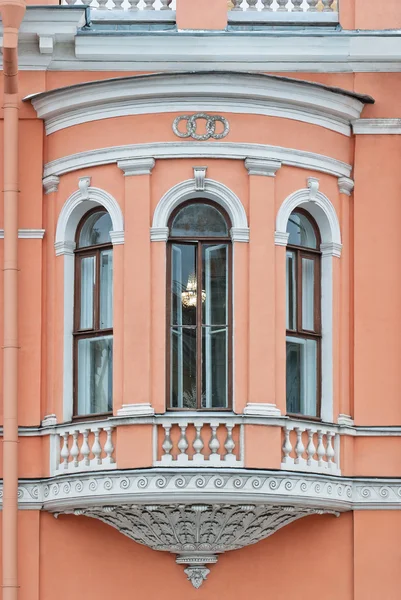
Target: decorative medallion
(212, 131)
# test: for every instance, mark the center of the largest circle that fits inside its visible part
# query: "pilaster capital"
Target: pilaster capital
(136, 166)
(346, 185)
(261, 166)
(50, 184)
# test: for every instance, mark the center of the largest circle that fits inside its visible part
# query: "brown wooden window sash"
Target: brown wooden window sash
(95, 331)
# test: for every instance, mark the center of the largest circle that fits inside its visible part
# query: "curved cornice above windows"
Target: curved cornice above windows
(233, 92)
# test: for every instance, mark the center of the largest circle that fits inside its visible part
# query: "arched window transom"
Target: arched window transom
(93, 315)
(303, 315)
(199, 314)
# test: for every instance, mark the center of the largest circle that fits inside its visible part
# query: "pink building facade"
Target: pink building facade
(200, 368)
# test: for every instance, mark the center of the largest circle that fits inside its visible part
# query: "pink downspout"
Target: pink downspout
(12, 13)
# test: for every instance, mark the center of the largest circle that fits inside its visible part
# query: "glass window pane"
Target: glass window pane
(183, 367)
(308, 294)
(215, 284)
(291, 291)
(96, 230)
(95, 375)
(301, 376)
(106, 289)
(183, 284)
(88, 274)
(199, 220)
(301, 232)
(214, 367)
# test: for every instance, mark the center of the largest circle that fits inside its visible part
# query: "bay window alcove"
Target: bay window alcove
(93, 315)
(199, 307)
(303, 315)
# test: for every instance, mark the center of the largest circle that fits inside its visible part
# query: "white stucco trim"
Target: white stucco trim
(213, 190)
(27, 234)
(377, 127)
(219, 150)
(243, 93)
(323, 211)
(75, 207)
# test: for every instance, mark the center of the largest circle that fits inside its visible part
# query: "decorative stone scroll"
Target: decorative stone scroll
(198, 533)
(191, 126)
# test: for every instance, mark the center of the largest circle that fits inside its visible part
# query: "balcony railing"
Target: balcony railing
(194, 440)
(239, 11)
(198, 442)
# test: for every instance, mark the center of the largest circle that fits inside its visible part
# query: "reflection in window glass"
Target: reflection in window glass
(301, 231)
(199, 220)
(95, 382)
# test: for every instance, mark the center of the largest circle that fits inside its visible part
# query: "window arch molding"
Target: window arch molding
(323, 212)
(320, 208)
(212, 190)
(74, 209)
(76, 206)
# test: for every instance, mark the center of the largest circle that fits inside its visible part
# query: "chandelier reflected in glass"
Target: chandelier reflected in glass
(189, 296)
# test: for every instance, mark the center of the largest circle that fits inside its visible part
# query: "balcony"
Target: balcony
(240, 12)
(195, 441)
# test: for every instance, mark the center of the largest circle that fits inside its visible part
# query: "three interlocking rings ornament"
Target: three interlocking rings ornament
(211, 132)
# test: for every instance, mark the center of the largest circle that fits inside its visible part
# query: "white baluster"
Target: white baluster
(148, 5)
(297, 5)
(287, 446)
(236, 5)
(229, 445)
(299, 446)
(214, 445)
(102, 4)
(96, 447)
(267, 4)
(198, 444)
(165, 5)
(312, 5)
(74, 452)
(282, 5)
(252, 4)
(167, 444)
(311, 448)
(85, 450)
(183, 445)
(320, 448)
(329, 450)
(327, 5)
(118, 4)
(108, 447)
(133, 5)
(65, 453)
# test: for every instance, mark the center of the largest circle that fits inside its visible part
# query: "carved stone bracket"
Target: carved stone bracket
(198, 533)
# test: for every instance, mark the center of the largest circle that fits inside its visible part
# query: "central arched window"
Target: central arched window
(93, 315)
(303, 381)
(199, 314)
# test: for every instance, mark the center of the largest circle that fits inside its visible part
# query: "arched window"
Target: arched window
(303, 260)
(93, 315)
(199, 314)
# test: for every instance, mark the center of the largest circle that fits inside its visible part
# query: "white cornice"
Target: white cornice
(219, 150)
(183, 92)
(377, 127)
(201, 486)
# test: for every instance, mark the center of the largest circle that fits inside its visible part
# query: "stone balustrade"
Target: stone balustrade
(127, 5)
(285, 5)
(83, 447)
(198, 442)
(311, 448)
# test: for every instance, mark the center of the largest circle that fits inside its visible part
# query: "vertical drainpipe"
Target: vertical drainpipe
(12, 13)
